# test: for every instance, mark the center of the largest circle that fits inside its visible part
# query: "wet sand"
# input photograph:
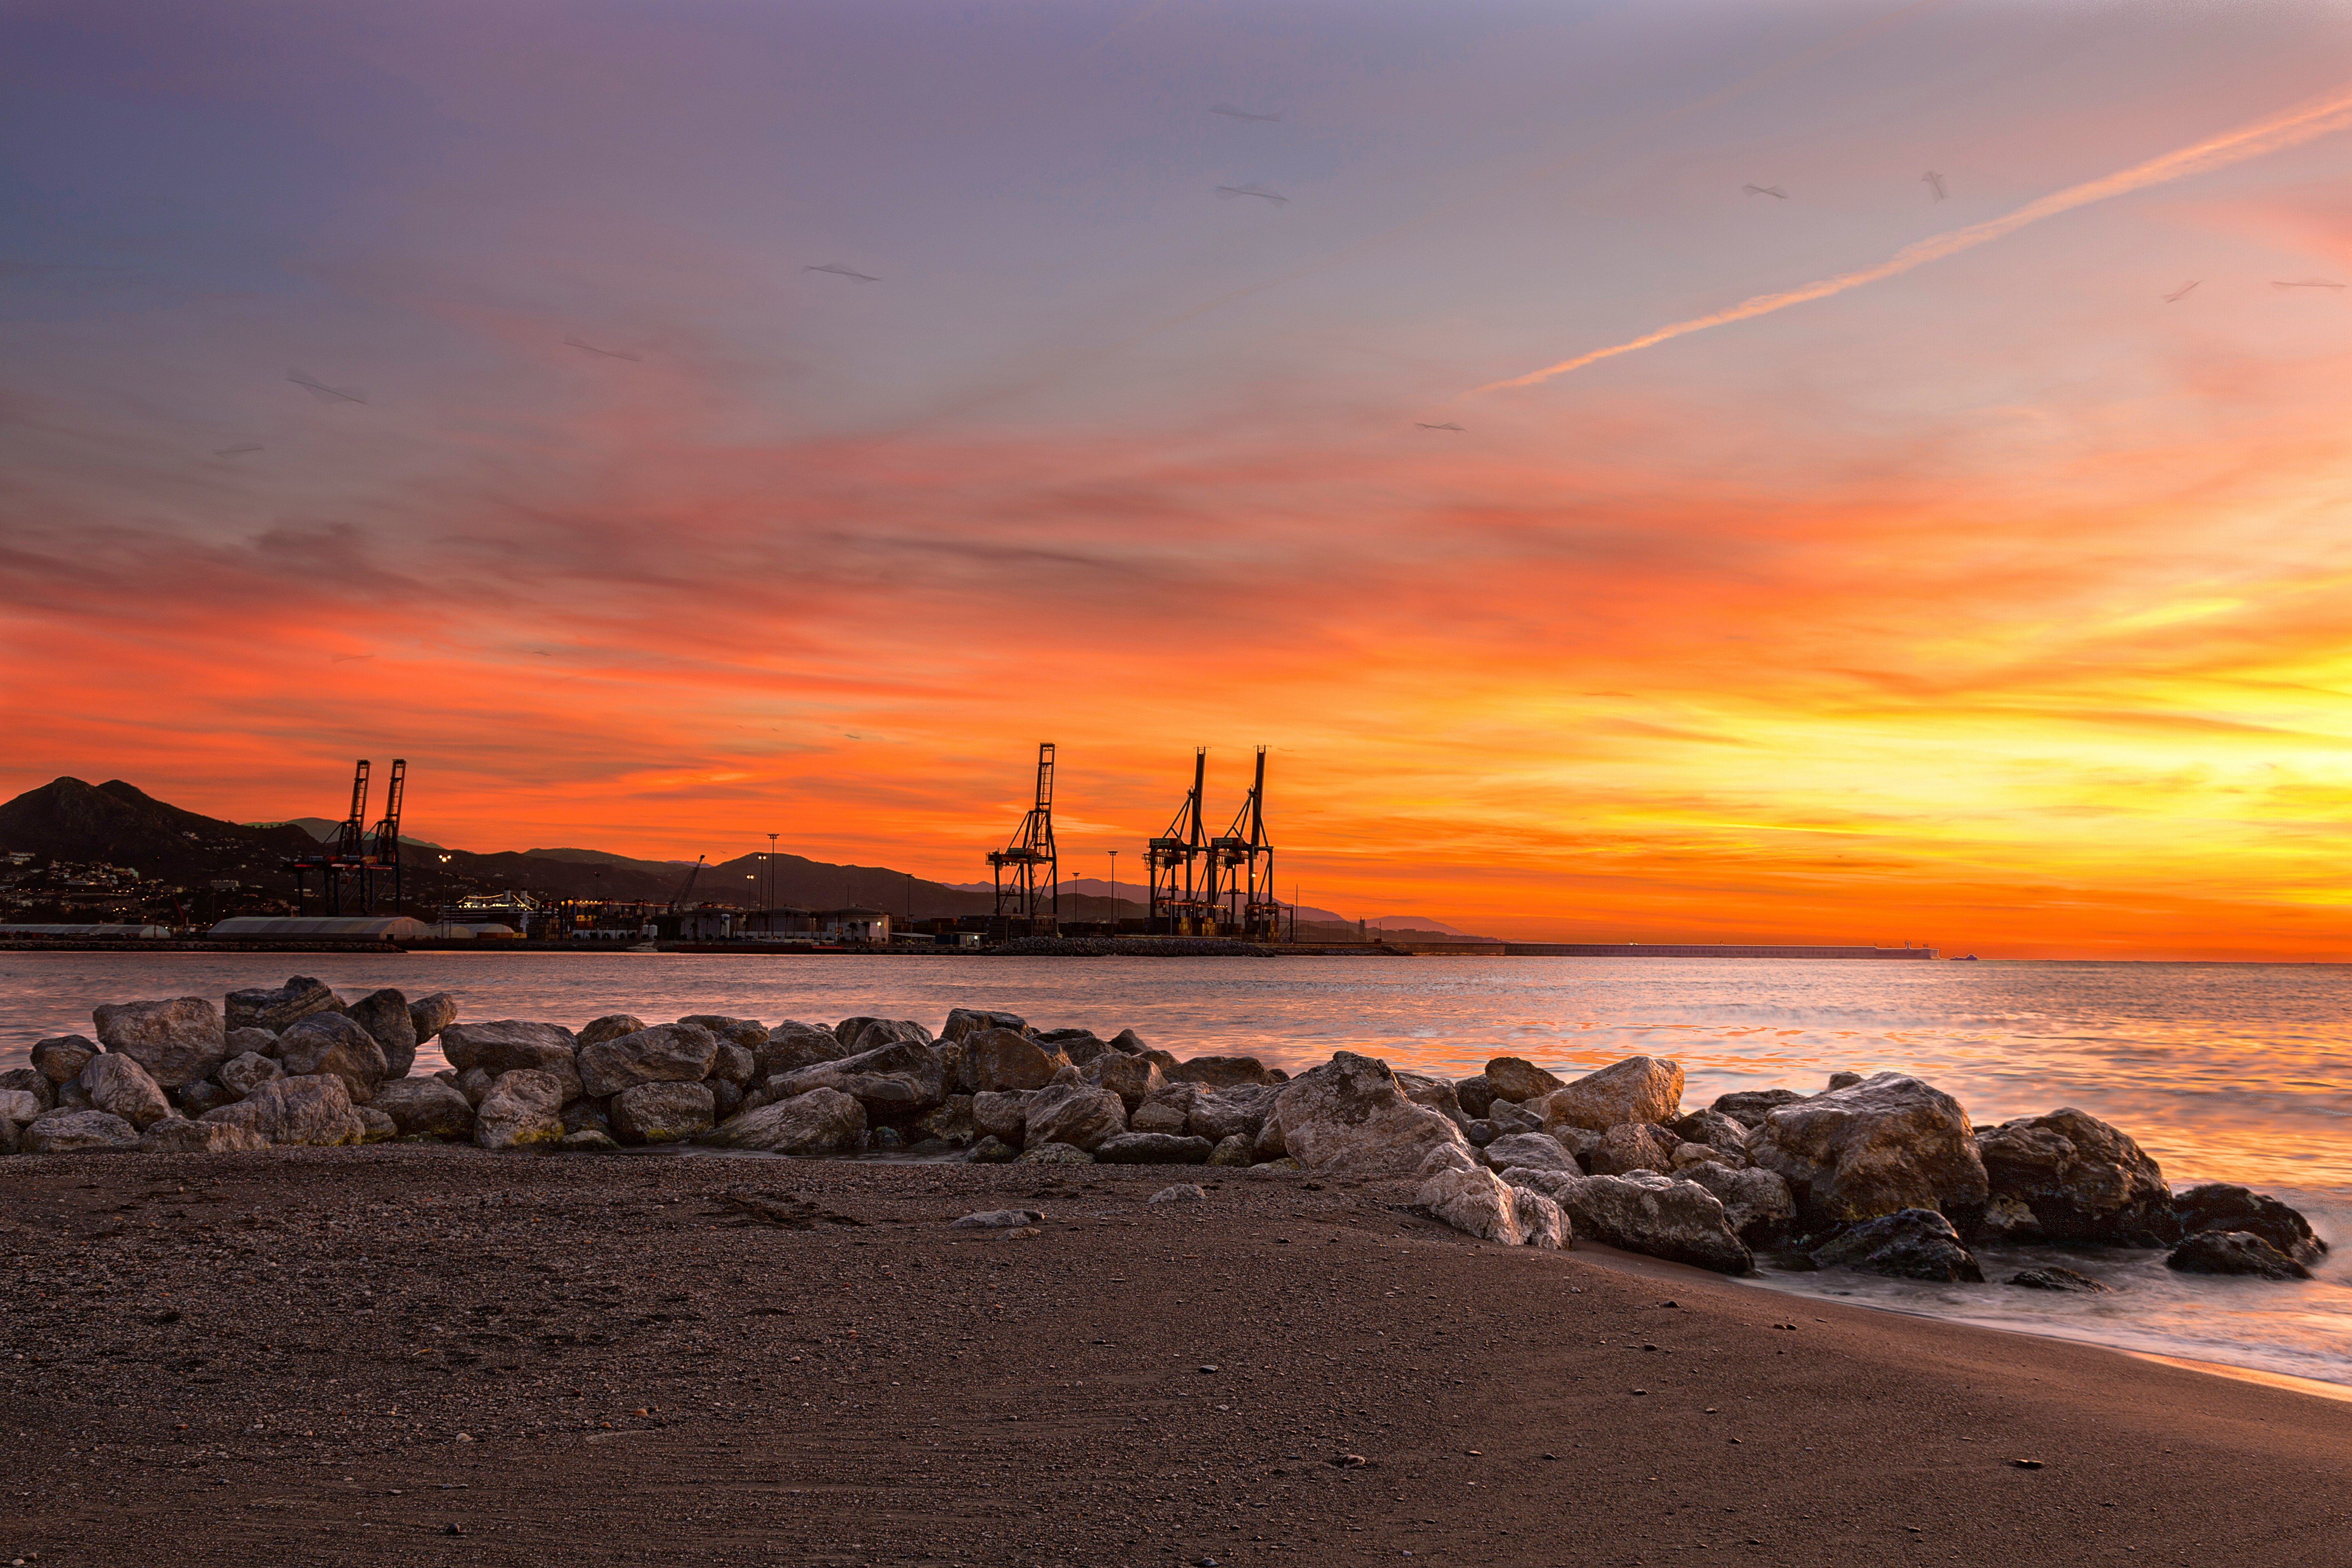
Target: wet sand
(421, 1355)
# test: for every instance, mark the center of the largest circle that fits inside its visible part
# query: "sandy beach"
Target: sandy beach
(395, 1354)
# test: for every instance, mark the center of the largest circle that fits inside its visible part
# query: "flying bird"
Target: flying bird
(1765, 190)
(1230, 112)
(1422, 425)
(319, 389)
(836, 269)
(2308, 283)
(239, 450)
(608, 353)
(2182, 293)
(1227, 193)
(1934, 183)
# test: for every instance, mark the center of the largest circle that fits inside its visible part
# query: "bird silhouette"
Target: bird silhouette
(1423, 425)
(1227, 193)
(608, 353)
(1230, 112)
(1765, 190)
(2182, 293)
(2308, 283)
(1934, 183)
(319, 389)
(837, 269)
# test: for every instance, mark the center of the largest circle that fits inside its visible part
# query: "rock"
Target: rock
(1002, 1116)
(792, 1046)
(1349, 1117)
(1686, 1155)
(1533, 1150)
(1054, 1154)
(1268, 1146)
(1887, 1143)
(725, 1099)
(193, 1099)
(177, 1041)
(241, 1074)
(996, 1219)
(1479, 1203)
(1845, 1079)
(426, 1108)
(61, 1057)
(1715, 1130)
(510, 1045)
(665, 1111)
(524, 1108)
(587, 1141)
(428, 1016)
(1751, 1106)
(1217, 1114)
(963, 1021)
(1127, 1042)
(20, 1105)
(77, 1132)
(1168, 1109)
(313, 1109)
(1474, 1095)
(820, 1122)
(1221, 1072)
(120, 1087)
(1909, 1243)
(666, 1053)
(997, 1061)
(2080, 1179)
(1436, 1093)
(279, 1009)
(1183, 1193)
(2207, 1252)
(332, 1043)
(861, 1035)
(178, 1136)
(748, 1033)
(1446, 1157)
(585, 1115)
(1635, 1146)
(384, 1015)
(2051, 1278)
(1480, 1132)
(1155, 1149)
(734, 1064)
(1133, 1078)
(992, 1150)
(951, 1122)
(249, 1043)
(1757, 1202)
(1517, 1078)
(1638, 1089)
(375, 1127)
(32, 1081)
(72, 1096)
(1543, 1224)
(474, 1083)
(1234, 1152)
(2220, 1206)
(1509, 1117)
(1073, 1113)
(1647, 1213)
(1081, 1045)
(612, 1026)
(898, 1080)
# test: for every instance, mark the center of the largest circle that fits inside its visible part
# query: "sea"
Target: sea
(2224, 1072)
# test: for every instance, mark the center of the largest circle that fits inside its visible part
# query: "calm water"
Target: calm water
(2235, 1072)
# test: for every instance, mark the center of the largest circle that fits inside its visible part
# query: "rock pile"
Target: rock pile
(1882, 1174)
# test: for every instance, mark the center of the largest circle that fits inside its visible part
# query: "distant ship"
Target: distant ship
(1967, 958)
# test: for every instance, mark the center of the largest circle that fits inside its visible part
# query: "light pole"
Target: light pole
(772, 875)
(1113, 892)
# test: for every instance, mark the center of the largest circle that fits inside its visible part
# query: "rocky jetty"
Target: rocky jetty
(1882, 1174)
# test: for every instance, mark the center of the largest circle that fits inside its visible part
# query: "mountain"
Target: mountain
(118, 824)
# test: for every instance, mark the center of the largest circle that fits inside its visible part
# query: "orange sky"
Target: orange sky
(1997, 605)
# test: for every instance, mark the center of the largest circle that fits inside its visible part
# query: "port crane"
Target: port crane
(1023, 899)
(1176, 905)
(1240, 873)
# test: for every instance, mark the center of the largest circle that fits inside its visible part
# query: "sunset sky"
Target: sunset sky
(2000, 603)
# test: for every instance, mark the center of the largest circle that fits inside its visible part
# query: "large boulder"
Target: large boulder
(1073, 1112)
(861, 1035)
(1436, 1093)
(178, 1136)
(249, 1042)
(663, 1113)
(1517, 1078)
(524, 1108)
(205, 1094)
(1153, 1148)
(1218, 1114)
(1635, 1146)
(1081, 1045)
(898, 1080)
(964, 1021)
(749, 1033)
(1715, 1130)
(314, 1110)
(426, 1108)
(998, 1061)
(1909, 1243)
(428, 1016)
(2220, 1206)
(1887, 1143)
(1531, 1151)
(1647, 1213)
(120, 1087)
(386, 1015)
(79, 1132)
(61, 1057)
(1349, 1117)
(2080, 1179)
(2217, 1252)
(1004, 1115)
(1749, 1106)
(1757, 1202)
(332, 1043)
(611, 1026)
(20, 1105)
(1475, 1095)
(278, 1008)
(177, 1041)
(1638, 1089)
(1168, 1109)
(1221, 1072)
(512, 1044)
(792, 1045)
(667, 1053)
(1479, 1203)
(1133, 1078)
(241, 1074)
(822, 1122)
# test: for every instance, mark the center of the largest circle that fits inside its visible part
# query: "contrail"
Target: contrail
(2288, 127)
